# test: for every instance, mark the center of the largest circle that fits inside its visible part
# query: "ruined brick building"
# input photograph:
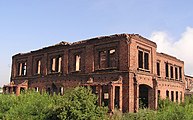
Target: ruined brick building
(188, 85)
(123, 70)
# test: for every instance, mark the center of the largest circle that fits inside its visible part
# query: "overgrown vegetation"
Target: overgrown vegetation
(81, 104)
(76, 104)
(167, 110)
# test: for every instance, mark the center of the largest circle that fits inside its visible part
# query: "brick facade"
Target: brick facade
(124, 70)
(188, 85)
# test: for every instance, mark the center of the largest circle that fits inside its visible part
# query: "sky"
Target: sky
(27, 25)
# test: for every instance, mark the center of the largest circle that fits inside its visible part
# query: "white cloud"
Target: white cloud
(182, 48)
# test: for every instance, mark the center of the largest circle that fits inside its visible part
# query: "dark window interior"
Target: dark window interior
(158, 68)
(172, 95)
(176, 73)
(171, 72)
(146, 61)
(176, 96)
(140, 59)
(180, 72)
(107, 58)
(167, 93)
(167, 70)
(102, 59)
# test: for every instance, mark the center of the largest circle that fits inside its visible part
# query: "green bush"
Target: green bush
(76, 104)
(142, 114)
(167, 110)
(30, 105)
(6, 103)
(79, 104)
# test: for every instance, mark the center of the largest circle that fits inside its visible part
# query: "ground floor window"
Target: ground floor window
(176, 96)
(172, 95)
(167, 94)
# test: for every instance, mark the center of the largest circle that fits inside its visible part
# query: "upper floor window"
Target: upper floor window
(186, 83)
(146, 61)
(167, 70)
(140, 59)
(180, 72)
(56, 64)
(22, 69)
(143, 60)
(176, 73)
(171, 72)
(107, 58)
(38, 67)
(112, 58)
(158, 68)
(77, 62)
(102, 59)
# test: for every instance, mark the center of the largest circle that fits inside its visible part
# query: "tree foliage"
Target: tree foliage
(80, 104)
(76, 104)
(167, 110)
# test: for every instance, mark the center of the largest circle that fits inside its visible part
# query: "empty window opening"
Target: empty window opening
(102, 59)
(38, 67)
(36, 89)
(53, 64)
(186, 83)
(180, 96)
(14, 90)
(77, 62)
(158, 94)
(22, 69)
(107, 58)
(105, 98)
(176, 96)
(61, 90)
(48, 90)
(94, 90)
(111, 58)
(59, 64)
(167, 94)
(172, 95)
(54, 89)
(171, 72)
(158, 68)
(117, 97)
(144, 92)
(19, 69)
(180, 72)
(140, 59)
(167, 70)
(146, 61)
(143, 60)
(176, 73)
(56, 64)
(22, 90)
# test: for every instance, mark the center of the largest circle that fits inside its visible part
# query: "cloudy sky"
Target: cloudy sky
(27, 25)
